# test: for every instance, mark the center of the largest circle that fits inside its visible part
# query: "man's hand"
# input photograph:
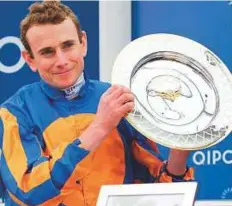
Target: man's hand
(177, 161)
(114, 104)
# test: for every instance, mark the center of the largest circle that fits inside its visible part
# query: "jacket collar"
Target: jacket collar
(57, 94)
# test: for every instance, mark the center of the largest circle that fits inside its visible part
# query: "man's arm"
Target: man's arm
(33, 178)
(177, 162)
(114, 104)
(174, 170)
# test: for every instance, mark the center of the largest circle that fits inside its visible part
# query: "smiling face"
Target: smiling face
(58, 53)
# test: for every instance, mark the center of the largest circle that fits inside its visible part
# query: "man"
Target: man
(66, 136)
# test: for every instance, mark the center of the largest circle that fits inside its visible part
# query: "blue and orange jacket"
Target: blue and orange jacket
(43, 162)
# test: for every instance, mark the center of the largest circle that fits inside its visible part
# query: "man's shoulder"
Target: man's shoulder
(99, 85)
(18, 104)
(21, 94)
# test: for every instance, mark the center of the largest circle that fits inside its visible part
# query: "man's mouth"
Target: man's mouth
(63, 72)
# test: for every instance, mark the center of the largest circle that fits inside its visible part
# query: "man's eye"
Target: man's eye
(68, 45)
(47, 52)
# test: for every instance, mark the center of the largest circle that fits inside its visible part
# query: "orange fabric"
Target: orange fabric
(153, 146)
(57, 154)
(147, 159)
(36, 177)
(61, 131)
(94, 170)
(14, 152)
(12, 146)
(53, 201)
(189, 175)
(165, 178)
(98, 169)
(74, 199)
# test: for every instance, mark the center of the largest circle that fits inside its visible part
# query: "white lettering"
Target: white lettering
(199, 158)
(216, 156)
(226, 159)
(212, 157)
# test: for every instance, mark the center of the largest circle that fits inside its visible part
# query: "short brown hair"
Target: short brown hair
(47, 12)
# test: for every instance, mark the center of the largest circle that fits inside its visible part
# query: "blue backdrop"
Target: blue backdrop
(206, 22)
(11, 13)
(209, 23)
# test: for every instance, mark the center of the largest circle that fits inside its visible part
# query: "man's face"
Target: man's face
(58, 54)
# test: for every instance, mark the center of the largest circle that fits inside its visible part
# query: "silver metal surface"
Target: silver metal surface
(183, 91)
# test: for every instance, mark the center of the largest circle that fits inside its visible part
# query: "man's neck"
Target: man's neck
(73, 91)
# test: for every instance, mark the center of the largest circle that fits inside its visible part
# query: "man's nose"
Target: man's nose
(61, 58)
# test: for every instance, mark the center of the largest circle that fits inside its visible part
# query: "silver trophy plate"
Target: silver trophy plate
(183, 91)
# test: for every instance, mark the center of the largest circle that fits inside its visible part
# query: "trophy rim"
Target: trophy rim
(181, 44)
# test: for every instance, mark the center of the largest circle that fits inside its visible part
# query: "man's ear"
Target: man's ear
(30, 60)
(84, 43)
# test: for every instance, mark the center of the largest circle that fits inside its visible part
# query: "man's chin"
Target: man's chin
(64, 83)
